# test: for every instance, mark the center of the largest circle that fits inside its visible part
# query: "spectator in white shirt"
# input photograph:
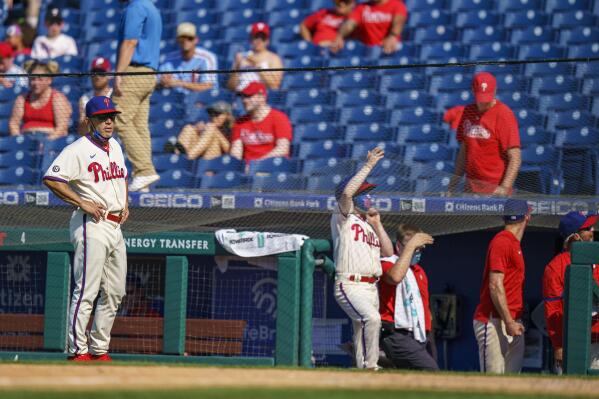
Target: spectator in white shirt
(101, 85)
(55, 43)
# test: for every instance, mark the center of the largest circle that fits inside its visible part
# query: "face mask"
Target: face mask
(416, 258)
(99, 137)
(363, 202)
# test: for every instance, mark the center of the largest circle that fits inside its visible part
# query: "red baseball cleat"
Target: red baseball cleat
(84, 357)
(101, 358)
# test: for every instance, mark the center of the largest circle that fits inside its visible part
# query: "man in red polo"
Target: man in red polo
(377, 23)
(497, 325)
(574, 226)
(489, 152)
(263, 132)
(405, 328)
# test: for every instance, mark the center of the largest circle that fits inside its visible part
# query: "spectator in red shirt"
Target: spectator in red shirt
(321, 27)
(489, 152)
(377, 23)
(497, 319)
(574, 226)
(263, 132)
(404, 340)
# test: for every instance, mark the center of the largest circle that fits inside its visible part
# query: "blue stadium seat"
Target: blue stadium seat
(197, 16)
(408, 99)
(358, 97)
(171, 161)
(278, 5)
(392, 151)
(16, 143)
(540, 155)
(241, 17)
(18, 158)
(352, 80)
(325, 183)
(225, 163)
(552, 6)
(298, 49)
(312, 114)
(449, 83)
(532, 34)
(563, 102)
(434, 184)
(438, 33)
(420, 5)
(529, 118)
(471, 5)
(540, 50)
(570, 120)
(554, 84)
(288, 17)
(580, 35)
(95, 34)
(583, 50)
(5, 110)
(167, 95)
(165, 127)
(404, 52)
(7, 94)
(280, 181)
(517, 100)
(428, 152)
(58, 144)
(539, 165)
(205, 98)
(420, 170)
(175, 178)
(305, 61)
(587, 70)
(388, 167)
(158, 143)
(401, 81)
(413, 116)
(69, 63)
(485, 34)
(476, 18)
(316, 131)
(393, 184)
(303, 81)
(447, 100)
(102, 17)
(373, 131)
(547, 70)
(535, 135)
(328, 166)
(425, 133)
(223, 180)
(491, 51)
(590, 86)
(362, 114)
(429, 17)
(230, 34)
(228, 5)
(321, 149)
(167, 110)
(303, 97)
(524, 19)
(283, 34)
(445, 50)
(352, 48)
(573, 19)
(273, 165)
(519, 5)
(18, 175)
(578, 137)
(511, 82)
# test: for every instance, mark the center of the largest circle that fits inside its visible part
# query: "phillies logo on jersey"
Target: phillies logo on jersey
(106, 102)
(376, 17)
(112, 172)
(367, 237)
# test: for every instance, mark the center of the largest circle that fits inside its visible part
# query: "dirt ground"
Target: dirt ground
(92, 377)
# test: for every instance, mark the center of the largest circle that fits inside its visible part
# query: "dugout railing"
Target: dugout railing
(48, 332)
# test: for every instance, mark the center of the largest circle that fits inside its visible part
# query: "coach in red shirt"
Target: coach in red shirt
(489, 142)
(574, 226)
(377, 23)
(321, 27)
(263, 132)
(404, 341)
(497, 326)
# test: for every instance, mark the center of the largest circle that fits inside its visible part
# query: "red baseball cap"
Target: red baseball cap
(102, 64)
(6, 50)
(254, 88)
(483, 87)
(260, 27)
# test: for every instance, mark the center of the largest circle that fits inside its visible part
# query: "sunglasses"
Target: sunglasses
(188, 38)
(105, 117)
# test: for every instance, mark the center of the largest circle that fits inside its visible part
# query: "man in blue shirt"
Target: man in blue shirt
(191, 57)
(139, 51)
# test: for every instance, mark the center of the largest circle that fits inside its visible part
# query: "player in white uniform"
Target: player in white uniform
(359, 241)
(90, 174)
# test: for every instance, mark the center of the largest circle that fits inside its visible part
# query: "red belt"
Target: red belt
(364, 279)
(114, 218)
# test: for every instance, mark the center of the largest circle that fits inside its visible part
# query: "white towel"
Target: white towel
(254, 243)
(409, 310)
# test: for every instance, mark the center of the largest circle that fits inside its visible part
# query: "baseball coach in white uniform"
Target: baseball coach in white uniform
(91, 175)
(359, 241)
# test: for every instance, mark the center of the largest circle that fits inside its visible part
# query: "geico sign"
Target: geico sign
(560, 207)
(383, 204)
(170, 200)
(9, 198)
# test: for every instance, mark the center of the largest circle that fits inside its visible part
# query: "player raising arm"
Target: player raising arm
(359, 241)
(91, 175)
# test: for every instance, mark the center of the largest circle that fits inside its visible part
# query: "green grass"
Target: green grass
(216, 393)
